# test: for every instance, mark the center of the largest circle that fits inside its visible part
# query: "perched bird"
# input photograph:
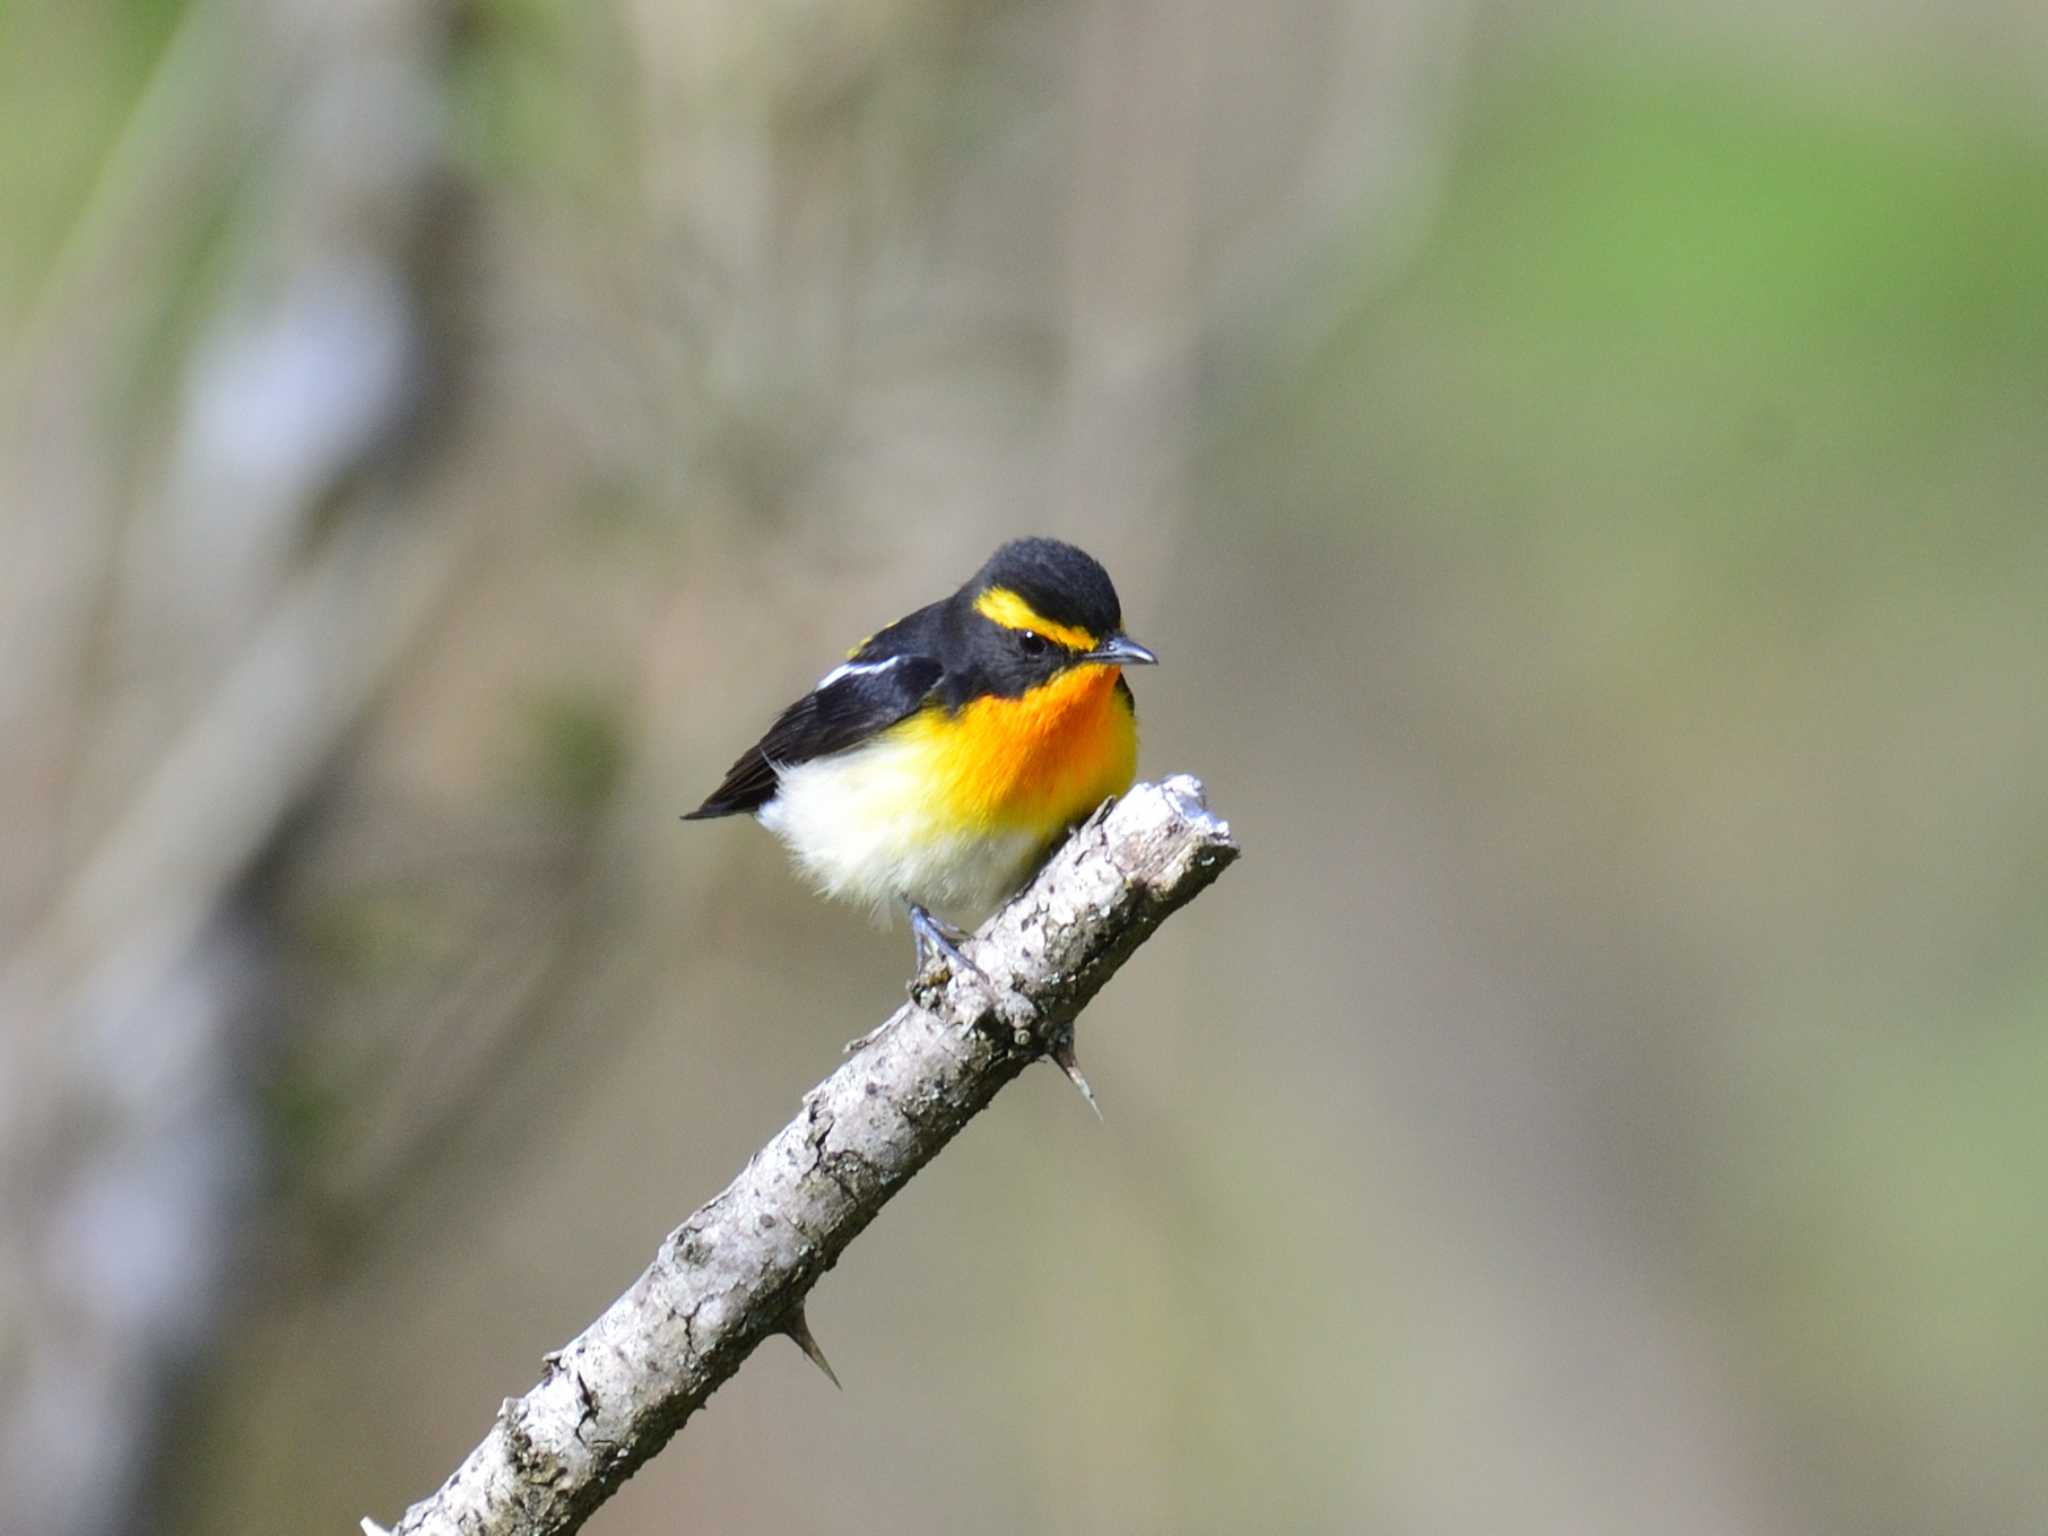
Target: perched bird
(945, 757)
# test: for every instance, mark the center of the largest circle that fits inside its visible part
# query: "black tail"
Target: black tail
(749, 785)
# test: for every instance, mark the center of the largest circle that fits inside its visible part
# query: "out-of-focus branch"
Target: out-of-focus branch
(223, 564)
(739, 1269)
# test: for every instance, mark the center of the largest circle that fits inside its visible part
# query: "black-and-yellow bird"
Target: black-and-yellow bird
(946, 756)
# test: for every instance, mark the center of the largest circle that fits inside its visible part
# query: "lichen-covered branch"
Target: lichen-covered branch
(738, 1270)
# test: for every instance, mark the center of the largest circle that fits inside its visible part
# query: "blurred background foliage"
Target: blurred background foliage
(1583, 469)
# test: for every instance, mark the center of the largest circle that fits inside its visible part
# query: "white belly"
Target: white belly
(861, 826)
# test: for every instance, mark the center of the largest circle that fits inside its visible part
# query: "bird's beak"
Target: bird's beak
(1122, 651)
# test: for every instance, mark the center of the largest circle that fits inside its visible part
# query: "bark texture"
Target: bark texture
(738, 1270)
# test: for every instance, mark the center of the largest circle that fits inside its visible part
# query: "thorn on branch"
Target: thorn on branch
(1064, 1058)
(798, 1328)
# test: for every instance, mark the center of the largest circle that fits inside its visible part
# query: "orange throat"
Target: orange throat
(1038, 762)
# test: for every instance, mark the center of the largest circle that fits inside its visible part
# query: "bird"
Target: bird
(948, 754)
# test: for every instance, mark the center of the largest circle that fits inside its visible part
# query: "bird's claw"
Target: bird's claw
(935, 936)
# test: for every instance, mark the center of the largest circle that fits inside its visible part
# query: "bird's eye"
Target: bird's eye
(1030, 644)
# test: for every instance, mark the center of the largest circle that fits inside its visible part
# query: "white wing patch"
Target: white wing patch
(856, 669)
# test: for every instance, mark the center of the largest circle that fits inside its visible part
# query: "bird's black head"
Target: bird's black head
(1036, 608)
(1060, 584)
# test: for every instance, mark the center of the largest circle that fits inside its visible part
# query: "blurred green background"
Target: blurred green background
(1582, 467)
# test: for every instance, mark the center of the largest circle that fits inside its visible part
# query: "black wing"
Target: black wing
(864, 697)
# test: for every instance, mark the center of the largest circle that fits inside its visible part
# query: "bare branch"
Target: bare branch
(739, 1269)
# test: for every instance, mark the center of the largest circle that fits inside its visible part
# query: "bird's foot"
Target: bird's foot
(934, 935)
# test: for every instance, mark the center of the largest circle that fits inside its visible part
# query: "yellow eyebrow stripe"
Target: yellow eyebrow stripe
(1004, 606)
